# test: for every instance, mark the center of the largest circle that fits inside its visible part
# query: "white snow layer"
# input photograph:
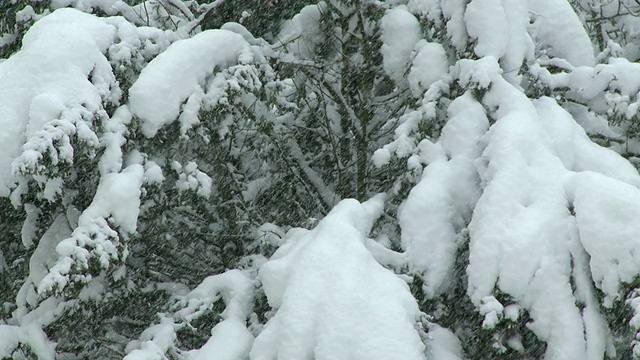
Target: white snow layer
(32, 336)
(333, 299)
(453, 10)
(557, 26)
(43, 258)
(440, 205)
(551, 197)
(400, 33)
(428, 66)
(117, 202)
(230, 339)
(302, 33)
(442, 344)
(154, 342)
(179, 73)
(486, 22)
(49, 75)
(500, 28)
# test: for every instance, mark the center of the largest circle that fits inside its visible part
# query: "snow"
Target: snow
(192, 179)
(478, 73)
(429, 9)
(608, 89)
(332, 298)
(48, 75)
(442, 344)
(29, 227)
(487, 23)
(429, 65)
(118, 197)
(181, 70)
(152, 173)
(230, 340)
(117, 201)
(381, 157)
(627, 84)
(549, 217)
(113, 139)
(520, 46)
(466, 125)
(27, 13)
(591, 122)
(302, 33)
(233, 284)
(500, 30)
(557, 26)
(512, 312)
(576, 151)
(589, 82)
(432, 217)
(400, 34)
(32, 336)
(270, 234)
(439, 206)
(154, 342)
(386, 257)
(407, 142)
(492, 310)
(135, 14)
(607, 216)
(453, 10)
(543, 207)
(42, 259)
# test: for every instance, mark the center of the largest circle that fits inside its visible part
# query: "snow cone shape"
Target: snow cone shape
(333, 300)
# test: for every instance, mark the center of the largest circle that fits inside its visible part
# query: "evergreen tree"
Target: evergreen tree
(421, 179)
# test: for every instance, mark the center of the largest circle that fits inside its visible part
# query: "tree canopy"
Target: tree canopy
(291, 180)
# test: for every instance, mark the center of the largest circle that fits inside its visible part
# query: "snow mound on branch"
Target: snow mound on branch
(440, 205)
(442, 344)
(32, 336)
(521, 231)
(487, 23)
(333, 299)
(463, 131)
(549, 218)
(429, 9)
(608, 219)
(43, 258)
(181, 70)
(400, 33)
(500, 28)
(48, 75)
(453, 11)
(230, 339)
(302, 34)
(429, 65)
(557, 25)
(117, 204)
(577, 152)
(154, 342)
